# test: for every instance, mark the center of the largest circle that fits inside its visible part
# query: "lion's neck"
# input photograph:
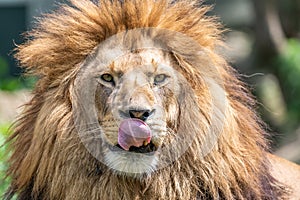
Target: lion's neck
(213, 177)
(188, 180)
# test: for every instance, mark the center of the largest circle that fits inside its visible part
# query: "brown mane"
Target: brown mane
(49, 161)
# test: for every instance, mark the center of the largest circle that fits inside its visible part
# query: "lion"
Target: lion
(135, 101)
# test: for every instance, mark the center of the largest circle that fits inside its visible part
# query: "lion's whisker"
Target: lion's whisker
(80, 141)
(75, 127)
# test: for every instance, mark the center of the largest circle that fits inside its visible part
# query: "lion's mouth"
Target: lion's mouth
(149, 149)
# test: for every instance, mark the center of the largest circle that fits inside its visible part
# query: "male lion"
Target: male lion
(134, 101)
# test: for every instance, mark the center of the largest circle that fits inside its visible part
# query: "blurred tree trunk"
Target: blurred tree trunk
(269, 44)
(270, 38)
(290, 17)
(276, 20)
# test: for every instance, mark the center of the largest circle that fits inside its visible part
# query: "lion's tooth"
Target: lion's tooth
(146, 143)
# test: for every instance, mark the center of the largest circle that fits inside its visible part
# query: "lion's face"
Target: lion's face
(140, 91)
(147, 101)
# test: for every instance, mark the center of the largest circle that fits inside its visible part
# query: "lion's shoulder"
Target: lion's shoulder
(286, 172)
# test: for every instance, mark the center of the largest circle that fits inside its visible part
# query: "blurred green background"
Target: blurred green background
(264, 46)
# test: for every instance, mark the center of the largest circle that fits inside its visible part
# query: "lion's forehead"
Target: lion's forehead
(147, 60)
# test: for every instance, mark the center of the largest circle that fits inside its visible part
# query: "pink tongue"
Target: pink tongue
(133, 132)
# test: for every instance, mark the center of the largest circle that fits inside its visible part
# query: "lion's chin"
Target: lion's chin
(131, 163)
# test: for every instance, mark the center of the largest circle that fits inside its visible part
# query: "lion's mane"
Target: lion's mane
(48, 160)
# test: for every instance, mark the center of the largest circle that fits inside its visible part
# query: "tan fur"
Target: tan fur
(287, 173)
(49, 160)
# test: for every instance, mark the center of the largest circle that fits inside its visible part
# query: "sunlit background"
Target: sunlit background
(263, 40)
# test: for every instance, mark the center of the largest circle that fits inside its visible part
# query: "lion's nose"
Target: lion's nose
(140, 114)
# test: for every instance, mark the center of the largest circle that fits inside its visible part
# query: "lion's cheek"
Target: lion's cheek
(110, 135)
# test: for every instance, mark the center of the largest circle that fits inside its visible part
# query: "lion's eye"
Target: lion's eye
(107, 78)
(160, 78)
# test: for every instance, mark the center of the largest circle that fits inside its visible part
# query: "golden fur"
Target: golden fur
(49, 160)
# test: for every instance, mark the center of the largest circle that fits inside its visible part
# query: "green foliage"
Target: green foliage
(3, 68)
(11, 83)
(288, 65)
(4, 183)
